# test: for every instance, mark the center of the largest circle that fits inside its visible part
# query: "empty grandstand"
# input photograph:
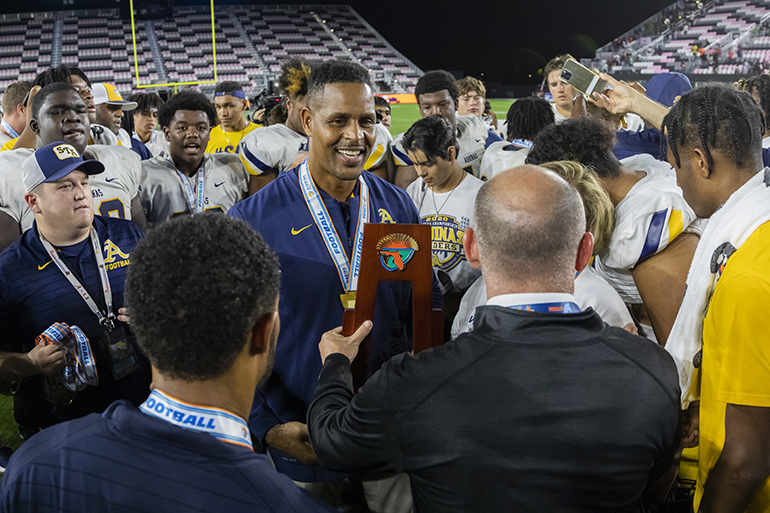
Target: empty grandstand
(251, 41)
(715, 40)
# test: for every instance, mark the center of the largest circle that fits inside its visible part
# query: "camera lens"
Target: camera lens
(566, 75)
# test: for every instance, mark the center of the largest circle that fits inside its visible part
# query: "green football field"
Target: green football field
(404, 114)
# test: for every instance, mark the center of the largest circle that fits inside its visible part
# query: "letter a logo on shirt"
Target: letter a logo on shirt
(113, 252)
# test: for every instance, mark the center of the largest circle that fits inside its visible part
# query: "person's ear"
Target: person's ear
(35, 126)
(166, 132)
(289, 103)
(470, 245)
(307, 120)
(262, 331)
(700, 163)
(585, 251)
(452, 153)
(33, 201)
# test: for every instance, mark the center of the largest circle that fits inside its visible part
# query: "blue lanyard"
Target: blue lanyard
(348, 270)
(217, 422)
(522, 143)
(559, 307)
(196, 201)
(8, 128)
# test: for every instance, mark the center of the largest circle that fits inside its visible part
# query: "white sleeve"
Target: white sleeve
(638, 237)
(262, 151)
(399, 154)
(381, 150)
(476, 295)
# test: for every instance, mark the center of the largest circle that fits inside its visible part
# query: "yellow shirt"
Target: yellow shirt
(227, 142)
(9, 145)
(736, 352)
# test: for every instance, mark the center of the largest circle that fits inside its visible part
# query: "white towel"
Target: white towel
(727, 230)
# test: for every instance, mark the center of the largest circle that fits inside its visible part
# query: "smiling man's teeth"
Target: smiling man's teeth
(350, 153)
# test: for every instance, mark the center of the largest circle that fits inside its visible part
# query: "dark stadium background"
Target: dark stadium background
(506, 41)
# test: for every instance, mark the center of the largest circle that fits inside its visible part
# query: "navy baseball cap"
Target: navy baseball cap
(55, 161)
(665, 88)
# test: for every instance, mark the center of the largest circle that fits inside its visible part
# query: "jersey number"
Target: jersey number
(112, 208)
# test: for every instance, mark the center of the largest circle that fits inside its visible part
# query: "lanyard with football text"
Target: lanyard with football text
(522, 143)
(219, 423)
(107, 321)
(348, 270)
(196, 201)
(8, 128)
(558, 307)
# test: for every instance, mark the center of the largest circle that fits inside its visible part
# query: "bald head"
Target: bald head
(529, 223)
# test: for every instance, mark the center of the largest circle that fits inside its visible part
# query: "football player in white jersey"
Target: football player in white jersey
(59, 114)
(267, 151)
(142, 122)
(650, 252)
(437, 93)
(443, 194)
(563, 94)
(190, 180)
(590, 288)
(526, 117)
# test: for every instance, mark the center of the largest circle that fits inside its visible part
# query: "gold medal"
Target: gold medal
(348, 299)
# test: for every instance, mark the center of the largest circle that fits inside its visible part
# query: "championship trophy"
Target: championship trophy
(395, 252)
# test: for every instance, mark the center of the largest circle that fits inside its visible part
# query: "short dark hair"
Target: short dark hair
(435, 81)
(527, 116)
(192, 320)
(40, 97)
(335, 71)
(14, 95)
(556, 63)
(586, 139)
(433, 136)
(227, 86)
(187, 100)
(379, 101)
(79, 72)
(294, 77)
(145, 102)
(715, 116)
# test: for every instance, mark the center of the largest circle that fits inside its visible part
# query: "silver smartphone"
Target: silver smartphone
(581, 78)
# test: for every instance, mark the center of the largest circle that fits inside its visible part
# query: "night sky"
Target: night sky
(506, 41)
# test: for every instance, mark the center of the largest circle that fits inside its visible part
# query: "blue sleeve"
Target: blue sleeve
(140, 149)
(492, 137)
(766, 157)
(635, 143)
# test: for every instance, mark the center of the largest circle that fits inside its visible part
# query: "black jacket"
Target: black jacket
(528, 412)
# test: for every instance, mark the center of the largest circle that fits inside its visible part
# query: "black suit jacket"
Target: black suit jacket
(528, 412)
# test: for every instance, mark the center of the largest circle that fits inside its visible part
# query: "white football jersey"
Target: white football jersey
(449, 214)
(4, 138)
(271, 149)
(652, 214)
(503, 155)
(158, 145)
(163, 193)
(381, 150)
(12, 188)
(114, 189)
(473, 136)
(102, 135)
(591, 290)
